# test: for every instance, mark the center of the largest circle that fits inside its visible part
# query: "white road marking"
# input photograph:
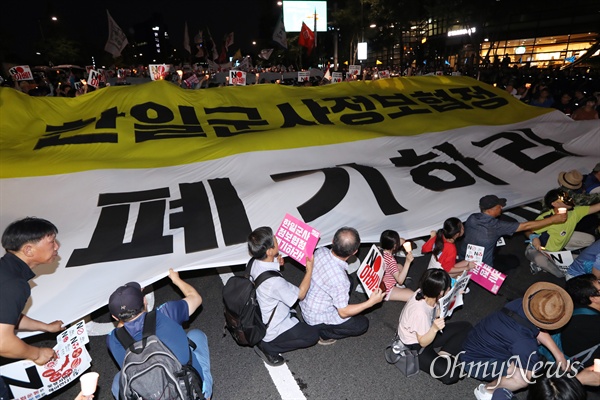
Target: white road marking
(281, 375)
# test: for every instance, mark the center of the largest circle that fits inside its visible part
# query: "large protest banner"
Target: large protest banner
(142, 178)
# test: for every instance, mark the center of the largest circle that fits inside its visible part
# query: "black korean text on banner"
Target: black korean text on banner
(423, 168)
(156, 121)
(34, 381)
(196, 219)
(336, 186)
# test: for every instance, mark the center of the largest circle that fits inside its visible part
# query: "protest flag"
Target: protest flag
(327, 74)
(238, 55)
(213, 50)
(186, 39)
(228, 40)
(265, 53)
(116, 38)
(306, 38)
(279, 34)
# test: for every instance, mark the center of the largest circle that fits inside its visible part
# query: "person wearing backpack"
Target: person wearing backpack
(276, 297)
(128, 306)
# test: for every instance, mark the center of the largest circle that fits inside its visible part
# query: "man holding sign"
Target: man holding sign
(326, 303)
(276, 297)
(28, 242)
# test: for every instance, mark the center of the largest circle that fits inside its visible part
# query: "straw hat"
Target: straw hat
(570, 180)
(547, 305)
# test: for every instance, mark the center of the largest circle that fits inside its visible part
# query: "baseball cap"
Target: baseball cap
(491, 200)
(126, 297)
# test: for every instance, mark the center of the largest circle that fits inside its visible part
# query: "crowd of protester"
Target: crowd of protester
(525, 328)
(509, 350)
(574, 91)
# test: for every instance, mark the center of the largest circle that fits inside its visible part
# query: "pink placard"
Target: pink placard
(487, 277)
(296, 238)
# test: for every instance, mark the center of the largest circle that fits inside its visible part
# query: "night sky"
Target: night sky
(86, 21)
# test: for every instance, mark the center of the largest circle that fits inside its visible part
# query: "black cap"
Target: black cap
(490, 201)
(127, 297)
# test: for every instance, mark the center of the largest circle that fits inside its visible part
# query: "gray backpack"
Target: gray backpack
(151, 371)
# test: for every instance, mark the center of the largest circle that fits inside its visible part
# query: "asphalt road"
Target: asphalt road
(353, 368)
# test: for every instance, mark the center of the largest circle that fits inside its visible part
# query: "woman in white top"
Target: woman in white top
(421, 328)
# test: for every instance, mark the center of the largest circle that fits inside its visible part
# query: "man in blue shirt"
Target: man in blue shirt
(502, 347)
(128, 306)
(484, 228)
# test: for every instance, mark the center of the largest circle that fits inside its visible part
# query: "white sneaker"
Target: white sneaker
(481, 393)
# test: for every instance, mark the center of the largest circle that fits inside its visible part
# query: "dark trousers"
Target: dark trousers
(3, 390)
(299, 336)
(355, 326)
(450, 341)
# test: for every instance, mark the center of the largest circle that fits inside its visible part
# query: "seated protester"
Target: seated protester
(128, 306)
(443, 250)
(502, 347)
(583, 330)
(550, 385)
(420, 324)
(29, 243)
(591, 183)
(485, 228)
(588, 262)
(394, 274)
(558, 237)
(326, 305)
(276, 297)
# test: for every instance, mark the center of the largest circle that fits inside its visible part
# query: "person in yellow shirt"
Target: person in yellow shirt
(558, 237)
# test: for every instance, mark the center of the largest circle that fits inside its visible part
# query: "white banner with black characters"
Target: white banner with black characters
(140, 179)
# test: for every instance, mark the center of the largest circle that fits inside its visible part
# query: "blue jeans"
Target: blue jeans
(202, 355)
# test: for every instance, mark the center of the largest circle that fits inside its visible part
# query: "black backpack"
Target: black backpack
(151, 371)
(243, 318)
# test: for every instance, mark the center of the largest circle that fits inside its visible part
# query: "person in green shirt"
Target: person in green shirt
(558, 237)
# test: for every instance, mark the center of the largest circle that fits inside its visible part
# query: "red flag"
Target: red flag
(307, 38)
(223, 55)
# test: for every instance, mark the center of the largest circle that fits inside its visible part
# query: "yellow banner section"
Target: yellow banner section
(158, 124)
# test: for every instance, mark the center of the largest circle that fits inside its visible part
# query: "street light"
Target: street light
(53, 18)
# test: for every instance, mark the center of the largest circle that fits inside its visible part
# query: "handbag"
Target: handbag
(404, 358)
